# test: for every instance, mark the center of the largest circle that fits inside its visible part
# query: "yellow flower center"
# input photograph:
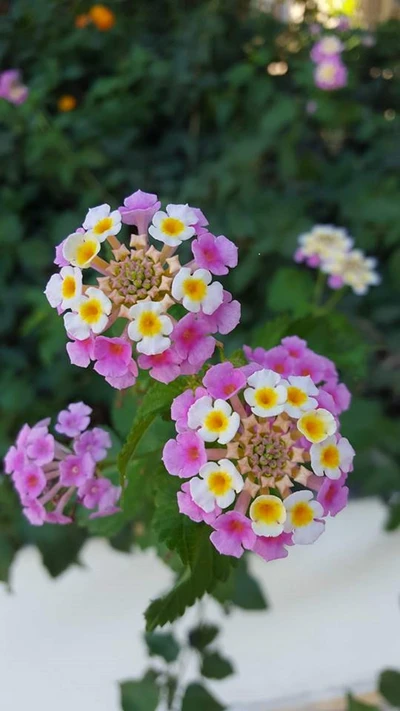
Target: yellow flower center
(330, 456)
(266, 397)
(216, 421)
(327, 73)
(91, 311)
(68, 288)
(314, 427)
(195, 289)
(219, 483)
(301, 514)
(295, 396)
(172, 227)
(102, 225)
(268, 510)
(149, 324)
(85, 252)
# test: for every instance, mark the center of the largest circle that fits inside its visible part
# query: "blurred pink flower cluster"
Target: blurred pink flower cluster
(51, 476)
(166, 315)
(11, 87)
(261, 449)
(330, 72)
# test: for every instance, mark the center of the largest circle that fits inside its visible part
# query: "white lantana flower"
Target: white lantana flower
(173, 226)
(64, 289)
(214, 421)
(266, 394)
(150, 327)
(324, 241)
(196, 291)
(302, 511)
(331, 45)
(79, 249)
(101, 222)
(317, 425)
(90, 314)
(332, 457)
(298, 390)
(355, 269)
(217, 484)
(268, 515)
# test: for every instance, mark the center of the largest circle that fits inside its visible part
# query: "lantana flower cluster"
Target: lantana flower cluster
(165, 314)
(52, 477)
(330, 249)
(261, 450)
(330, 72)
(11, 87)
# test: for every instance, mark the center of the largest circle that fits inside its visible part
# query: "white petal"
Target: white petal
(213, 298)
(158, 218)
(308, 534)
(226, 500)
(292, 499)
(208, 436)
(198, 411)
(95, 214)
(249, 396)
(228, 435)
(208, 469)
(203, 274)
(53, 290)
(268, 412)
(223, 406)
(76, 327)
(263, 529)
(167, 325)
(153, 345)
(133, 331)
(201, 495)
(192, 306)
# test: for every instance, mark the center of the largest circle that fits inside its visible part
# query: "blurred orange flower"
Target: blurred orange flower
(81, 21)
(66, 103)
(102, 17)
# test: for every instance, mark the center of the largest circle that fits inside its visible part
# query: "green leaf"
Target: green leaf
(157, 400)
(389, 686)
(393, 519)
(271, 333)
(200, 637)
(237, 358)
(141, 695)
(7, 553)
(214, 666)
(162, 645)
(354, 704)
(334, 336)
(58, 545)
(197, 698)
(291, 290)
(204, 568)
(241, 589)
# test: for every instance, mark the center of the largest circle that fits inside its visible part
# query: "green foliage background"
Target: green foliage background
(177, 100)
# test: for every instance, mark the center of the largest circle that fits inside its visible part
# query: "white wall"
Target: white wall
(334, 622)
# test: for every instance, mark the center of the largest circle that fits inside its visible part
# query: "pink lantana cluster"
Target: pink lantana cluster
(164, 316)
(330, 249)
(330, 72)
(11, 87)
(261, 450)
(52, 477)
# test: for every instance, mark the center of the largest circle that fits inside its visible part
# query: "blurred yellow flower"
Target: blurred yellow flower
(102, 17)
(66, 103)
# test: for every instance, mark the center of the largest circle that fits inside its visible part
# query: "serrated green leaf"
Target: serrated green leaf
(214, 666)
(200, 637)
(241, 590)
(157, 400)
(140, 695)
(198, 698)
(162, 645)
(204, 568)
(389, 686)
